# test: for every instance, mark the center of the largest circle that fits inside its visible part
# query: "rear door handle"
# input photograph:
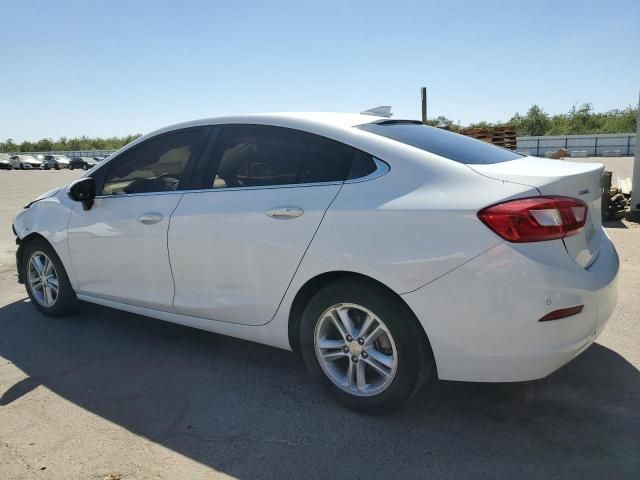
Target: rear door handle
(150, 218)
(284, 212)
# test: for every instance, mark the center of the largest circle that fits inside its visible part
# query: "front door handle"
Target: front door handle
(284, 212)
(150, 218)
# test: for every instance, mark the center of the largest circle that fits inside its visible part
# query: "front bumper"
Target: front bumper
(482, 319)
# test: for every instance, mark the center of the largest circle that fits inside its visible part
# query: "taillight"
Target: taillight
(535, 219)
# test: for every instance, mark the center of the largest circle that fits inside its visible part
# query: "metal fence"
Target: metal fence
(71, 153)
(605, 145)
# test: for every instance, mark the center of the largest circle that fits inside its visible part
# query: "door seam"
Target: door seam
(173, 279)
(304, 254)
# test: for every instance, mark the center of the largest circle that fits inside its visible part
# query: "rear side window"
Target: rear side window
(453, 146)
(361, 166)
(326, 160)
(256, 156)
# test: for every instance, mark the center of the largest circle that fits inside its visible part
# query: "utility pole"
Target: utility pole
(635, 185)
(423, 92)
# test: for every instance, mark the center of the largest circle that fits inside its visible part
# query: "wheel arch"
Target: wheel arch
(311, 286)
(22, 243)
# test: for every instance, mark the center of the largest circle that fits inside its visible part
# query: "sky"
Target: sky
(104, 68)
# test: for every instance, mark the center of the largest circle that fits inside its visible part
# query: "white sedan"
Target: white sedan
(384, 251)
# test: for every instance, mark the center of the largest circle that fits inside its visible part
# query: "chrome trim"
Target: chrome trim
(382, 169)
(231, 189)
(146, 194)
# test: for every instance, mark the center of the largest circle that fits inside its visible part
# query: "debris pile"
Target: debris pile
(558, 154)
(618, 204)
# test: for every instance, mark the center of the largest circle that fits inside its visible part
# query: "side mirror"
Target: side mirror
(83, 190)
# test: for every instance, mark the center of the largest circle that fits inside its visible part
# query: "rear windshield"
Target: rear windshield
(441, 142)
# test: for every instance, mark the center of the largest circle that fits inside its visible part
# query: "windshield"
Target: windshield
(453, 146)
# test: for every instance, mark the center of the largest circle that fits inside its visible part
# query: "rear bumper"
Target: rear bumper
(482, 319)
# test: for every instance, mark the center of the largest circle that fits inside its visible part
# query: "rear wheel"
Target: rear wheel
(46, 280)
(364, 346)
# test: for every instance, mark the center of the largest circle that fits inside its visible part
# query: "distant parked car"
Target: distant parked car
(56, 161)
(76, 162)
(27, 162)
(89, 162)
(82, 162)
(5, 162)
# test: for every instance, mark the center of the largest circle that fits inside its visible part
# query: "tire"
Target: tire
(401, 345)
(57, 167)
(65, 301)
(70, 167)
(84, 167)
(21, 167)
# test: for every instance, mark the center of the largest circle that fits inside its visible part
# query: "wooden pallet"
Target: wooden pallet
(502, 136)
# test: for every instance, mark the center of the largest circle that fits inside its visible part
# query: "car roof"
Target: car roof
(335, 125)
(301, 120)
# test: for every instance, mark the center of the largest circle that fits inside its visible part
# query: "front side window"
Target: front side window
(156, 165)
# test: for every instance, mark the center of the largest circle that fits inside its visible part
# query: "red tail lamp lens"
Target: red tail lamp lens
(536, 219)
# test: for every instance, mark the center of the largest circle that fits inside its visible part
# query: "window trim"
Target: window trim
(188, 173)
(382, 168)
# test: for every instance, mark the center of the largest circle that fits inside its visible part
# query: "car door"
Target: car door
(118, 248)
(236, 243)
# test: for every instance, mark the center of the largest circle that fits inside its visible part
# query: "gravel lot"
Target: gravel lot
(107, 394)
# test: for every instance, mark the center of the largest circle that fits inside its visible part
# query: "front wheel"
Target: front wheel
(364, 345)
(46, 280)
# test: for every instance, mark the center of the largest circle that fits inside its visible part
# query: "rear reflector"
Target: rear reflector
(562, 313)
(536, 219)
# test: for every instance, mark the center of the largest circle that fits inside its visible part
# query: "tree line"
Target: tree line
(64, 143)
(580, 119)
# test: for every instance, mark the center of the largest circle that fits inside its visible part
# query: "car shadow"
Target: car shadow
(251, 411)
(614, 224)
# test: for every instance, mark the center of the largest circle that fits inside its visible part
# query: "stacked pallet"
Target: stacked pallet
(618, 204)
(504, 136)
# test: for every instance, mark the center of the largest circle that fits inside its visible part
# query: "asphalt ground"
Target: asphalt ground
(108, 394)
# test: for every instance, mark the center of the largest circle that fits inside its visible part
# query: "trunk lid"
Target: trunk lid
(560, 177)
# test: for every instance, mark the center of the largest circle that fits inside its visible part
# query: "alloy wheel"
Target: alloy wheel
(355, 349)
(43, 279)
